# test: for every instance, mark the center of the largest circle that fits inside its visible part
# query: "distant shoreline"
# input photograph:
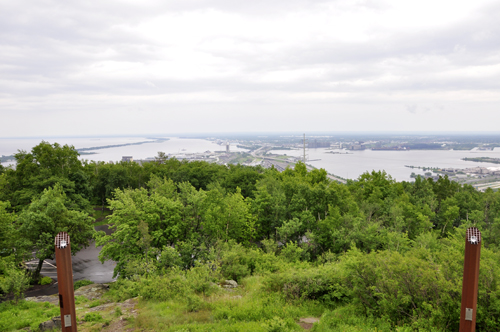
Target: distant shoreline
(159, 140)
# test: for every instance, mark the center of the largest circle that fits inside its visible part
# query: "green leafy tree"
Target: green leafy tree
(269, 206)
(243, 177)
(291, 230)
(13, 279)
(143, 223)
(8, 232)
(48, 215)
(43, 167)
(226, 217)
(108, 177)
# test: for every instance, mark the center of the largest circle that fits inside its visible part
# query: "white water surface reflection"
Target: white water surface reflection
(173, 146)
(9, 146)
(352, 164)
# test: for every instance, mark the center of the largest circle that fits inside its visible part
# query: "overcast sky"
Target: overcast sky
(170, 66)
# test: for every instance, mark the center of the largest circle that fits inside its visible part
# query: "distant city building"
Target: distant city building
(227, 147)
(316, 144)
(357, 146)
(128, 158)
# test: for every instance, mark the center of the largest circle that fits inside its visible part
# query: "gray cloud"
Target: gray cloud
(411, 108)
(70, 56)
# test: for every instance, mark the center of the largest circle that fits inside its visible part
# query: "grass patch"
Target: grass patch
(246, 308)
(79, 299)
(100, 216)
(101, 222)
(45, 281)
(14, 317)
(95, 303)
(81, 283)
(346, 319)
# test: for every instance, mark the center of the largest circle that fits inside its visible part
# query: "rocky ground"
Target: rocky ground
(96, 312)
(108, 316)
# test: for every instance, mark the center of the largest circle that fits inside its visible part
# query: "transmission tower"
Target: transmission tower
(305, 156)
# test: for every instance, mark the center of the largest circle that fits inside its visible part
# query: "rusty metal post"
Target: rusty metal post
(471, 280)
(65, 282)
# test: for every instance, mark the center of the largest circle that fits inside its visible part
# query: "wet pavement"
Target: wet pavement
(86, 265)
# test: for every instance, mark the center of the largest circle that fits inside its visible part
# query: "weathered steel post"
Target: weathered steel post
(65, 282)
(470, 280)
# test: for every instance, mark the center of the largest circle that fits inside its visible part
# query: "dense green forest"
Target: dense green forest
(385, 253)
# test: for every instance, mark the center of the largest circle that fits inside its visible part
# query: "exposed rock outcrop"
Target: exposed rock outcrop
(54, 323)
(93, 291)
(54, 299)
(229, 284)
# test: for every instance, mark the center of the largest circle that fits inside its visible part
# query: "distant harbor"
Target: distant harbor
(395, 148)
(342, 158)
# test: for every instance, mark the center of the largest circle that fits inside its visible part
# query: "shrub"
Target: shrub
(15, 282)
(276, 324)
(421, 288)
(237, 261)
(95, 303)
(124, 289)
(93, 317)
(320, 283)
(194, 303)
(81, 283)
(292, 252)
(202, 279)
(169, 258)
(45, 281)
(118, 312)
(161, 288)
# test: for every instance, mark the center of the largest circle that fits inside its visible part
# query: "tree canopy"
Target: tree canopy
(46, 217)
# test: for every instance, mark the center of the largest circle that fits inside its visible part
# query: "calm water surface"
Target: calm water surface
(355, 163)
(173, 146)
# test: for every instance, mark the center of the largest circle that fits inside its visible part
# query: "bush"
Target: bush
(81, 283)
(419, 290)
(422, 288)
(202, 279)
(45, 281)
(118, 312)
(276, 324)
(320, 283)
(124, 289)
(15, 282)
(237, 261)
(194, 303)
(93, 317)
(161, 288)
(292, 252)
(169, 258)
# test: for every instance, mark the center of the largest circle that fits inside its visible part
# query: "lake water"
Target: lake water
(349, 165)
(355, 163)
(173, 146)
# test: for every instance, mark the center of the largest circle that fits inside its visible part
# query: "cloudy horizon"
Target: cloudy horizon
(133, 68)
